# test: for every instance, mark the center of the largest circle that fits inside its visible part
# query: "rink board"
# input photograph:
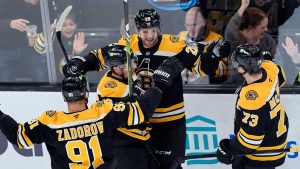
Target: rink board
(209, 119)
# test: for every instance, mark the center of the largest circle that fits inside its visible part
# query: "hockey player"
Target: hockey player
(131, 141)
(73, 138)
(260, 119)
(152, 48)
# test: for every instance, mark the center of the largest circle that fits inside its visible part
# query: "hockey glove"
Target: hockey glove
(219, 49)
(166, 72)
(224, 154)
(75, 66)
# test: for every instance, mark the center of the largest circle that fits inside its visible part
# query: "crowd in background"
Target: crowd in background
(252, 33)
(271, 25)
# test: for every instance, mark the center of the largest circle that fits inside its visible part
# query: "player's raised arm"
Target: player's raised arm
(140, 110)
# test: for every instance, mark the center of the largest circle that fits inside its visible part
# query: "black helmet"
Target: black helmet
(74, 87)
(117, 55)
(249, 57)
(147, 18)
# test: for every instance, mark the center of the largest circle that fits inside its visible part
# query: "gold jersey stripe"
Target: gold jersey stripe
(174, 107)
(101, 58)
(166, 119)
(26, 139)
(252, 137)
(18, 140)
(134, 135)
(281, 146)
(254, 147)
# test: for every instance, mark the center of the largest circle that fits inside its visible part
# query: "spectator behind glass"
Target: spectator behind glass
(248, 25)
(287, 54)
(74, 43)
(278, 11)
(292, 50)
(197, 33)
(15, 53)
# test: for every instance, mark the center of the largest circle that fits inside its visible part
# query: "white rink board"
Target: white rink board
(219, 108)
(209, 119)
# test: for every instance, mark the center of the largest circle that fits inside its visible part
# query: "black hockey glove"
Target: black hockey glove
(219, 49)
(75, 66)
(216, 51)
(224, 154)
(166, 72)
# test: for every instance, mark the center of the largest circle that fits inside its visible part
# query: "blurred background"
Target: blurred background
(35, 59)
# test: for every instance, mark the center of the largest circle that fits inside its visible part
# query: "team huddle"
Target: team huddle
(147, 130)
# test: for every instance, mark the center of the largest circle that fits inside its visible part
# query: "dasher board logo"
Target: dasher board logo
(172, 5)
(201, 138)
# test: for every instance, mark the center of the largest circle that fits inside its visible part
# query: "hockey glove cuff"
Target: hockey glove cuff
(219, 49)
(224, 153)
(166, 72)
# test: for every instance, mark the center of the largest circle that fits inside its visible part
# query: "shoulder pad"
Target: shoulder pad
(50, 113)
(110, 84)
(133, 39)
(102, 107)
(109, 87)
(174, 38)
(252, 99)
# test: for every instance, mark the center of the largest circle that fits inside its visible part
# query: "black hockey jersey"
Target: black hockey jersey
(261, 122)
(116, 89)
(171, 106)
(80, 139)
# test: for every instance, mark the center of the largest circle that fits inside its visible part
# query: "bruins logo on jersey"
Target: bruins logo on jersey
(174, 38)
(50, 113)
(251, 95)
(110, 84)
(146, 80)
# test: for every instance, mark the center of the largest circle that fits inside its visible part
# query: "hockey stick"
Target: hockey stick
(180, 160)
(293, 149)
(59, 25)
(127, 39)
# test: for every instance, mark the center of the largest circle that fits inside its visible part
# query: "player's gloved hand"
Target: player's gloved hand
(166, 72)
(219, 49)
(136, 87)
(75, 66)
(224, 154)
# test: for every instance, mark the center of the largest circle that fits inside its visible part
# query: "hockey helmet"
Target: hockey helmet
(74, 88)
(147, 18)
(117, 55)
(249, 57)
